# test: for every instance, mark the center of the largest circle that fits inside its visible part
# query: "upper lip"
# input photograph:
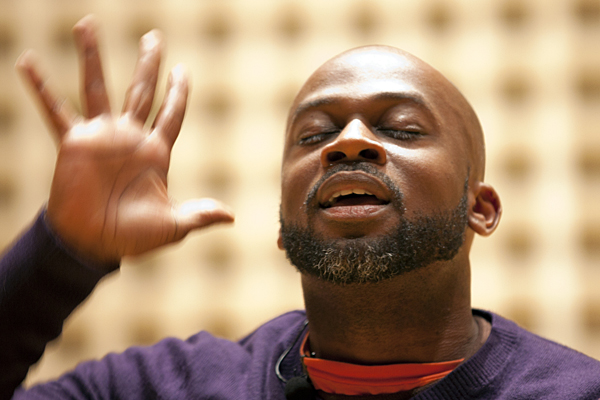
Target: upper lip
(346, 182)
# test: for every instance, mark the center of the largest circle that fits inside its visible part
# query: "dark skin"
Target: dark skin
(375, 105)
(385, 107)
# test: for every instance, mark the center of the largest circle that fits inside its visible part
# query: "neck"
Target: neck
(420, 316)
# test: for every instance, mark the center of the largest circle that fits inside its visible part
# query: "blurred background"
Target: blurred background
(530, 68)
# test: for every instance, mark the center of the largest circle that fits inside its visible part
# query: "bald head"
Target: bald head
(384, 70)
(378, 144)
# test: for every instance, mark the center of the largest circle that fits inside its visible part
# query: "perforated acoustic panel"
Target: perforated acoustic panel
(530, 69)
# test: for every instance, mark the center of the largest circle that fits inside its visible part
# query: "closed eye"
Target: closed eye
(316, 138)
(400, 134)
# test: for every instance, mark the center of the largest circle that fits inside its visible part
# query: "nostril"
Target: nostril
(369, 154)
(335, 156)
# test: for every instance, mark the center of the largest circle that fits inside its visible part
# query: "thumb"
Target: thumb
(200, 213)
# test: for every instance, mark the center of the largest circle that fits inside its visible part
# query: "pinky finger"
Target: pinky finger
(55, 108)
(170, 116)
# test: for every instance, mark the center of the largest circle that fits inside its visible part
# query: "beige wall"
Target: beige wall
(530, 68)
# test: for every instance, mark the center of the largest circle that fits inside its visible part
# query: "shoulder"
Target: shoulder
(540, 367)
(207, 353)
(518, 365)
(536, 350)
(199, 367)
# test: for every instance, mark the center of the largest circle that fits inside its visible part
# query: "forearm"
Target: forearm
(40, 285)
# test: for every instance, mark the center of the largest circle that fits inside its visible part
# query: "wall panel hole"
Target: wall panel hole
(220, 325)
(219, 257)
(7, 40)
(8, 192)
(590, 314)
(522, 313)
(514, 14)
(588, 161)
(587, 85)
(290, 24)
(587, 12)
(439, 17)
(519, 243)
(515, 88)
(365, 20)
(144, 331)
(7, 117)
(219, 181)
(62, 37)
(517, 165)
(218, 104)
(589, 240)
(217, 29)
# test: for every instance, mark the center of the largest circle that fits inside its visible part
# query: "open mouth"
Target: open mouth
(353, 197)
(353, 194)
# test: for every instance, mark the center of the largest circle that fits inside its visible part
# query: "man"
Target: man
(382, 194)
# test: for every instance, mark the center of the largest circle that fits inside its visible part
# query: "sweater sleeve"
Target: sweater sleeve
(40, 285)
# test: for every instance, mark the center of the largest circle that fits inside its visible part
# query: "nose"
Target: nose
(356, 142)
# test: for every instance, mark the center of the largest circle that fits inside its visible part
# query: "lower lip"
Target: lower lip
(357, 212)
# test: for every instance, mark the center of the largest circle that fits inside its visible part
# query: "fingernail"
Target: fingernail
(179, 72)
(150, 40)
(25, 59)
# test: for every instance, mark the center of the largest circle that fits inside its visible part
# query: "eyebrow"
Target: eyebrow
(379, 97)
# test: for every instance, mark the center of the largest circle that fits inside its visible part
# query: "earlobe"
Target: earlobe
(485, 210)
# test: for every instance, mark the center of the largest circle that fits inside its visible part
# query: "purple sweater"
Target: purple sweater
(40, 284)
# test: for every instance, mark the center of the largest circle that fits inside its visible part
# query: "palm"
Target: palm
(109, 194)
(119, 179)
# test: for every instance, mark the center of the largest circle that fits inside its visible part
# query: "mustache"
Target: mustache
(397, 195)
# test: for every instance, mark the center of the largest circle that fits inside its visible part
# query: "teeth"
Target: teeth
(347, 192)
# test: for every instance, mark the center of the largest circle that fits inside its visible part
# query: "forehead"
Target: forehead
(371, 75)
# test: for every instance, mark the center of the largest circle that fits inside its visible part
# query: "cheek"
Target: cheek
(429, 179)
(298, 176)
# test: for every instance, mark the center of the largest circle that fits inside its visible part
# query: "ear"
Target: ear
(280, 240)
(485, 210)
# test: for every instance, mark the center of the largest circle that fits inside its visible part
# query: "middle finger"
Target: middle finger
(94, 96)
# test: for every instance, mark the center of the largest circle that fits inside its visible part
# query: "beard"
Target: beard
(413, 244)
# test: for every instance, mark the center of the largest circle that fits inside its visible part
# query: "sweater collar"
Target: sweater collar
(476, 372)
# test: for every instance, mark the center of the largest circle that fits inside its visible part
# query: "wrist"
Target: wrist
(87, 258)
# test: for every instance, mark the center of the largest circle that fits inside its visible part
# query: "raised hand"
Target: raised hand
(109, 194)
